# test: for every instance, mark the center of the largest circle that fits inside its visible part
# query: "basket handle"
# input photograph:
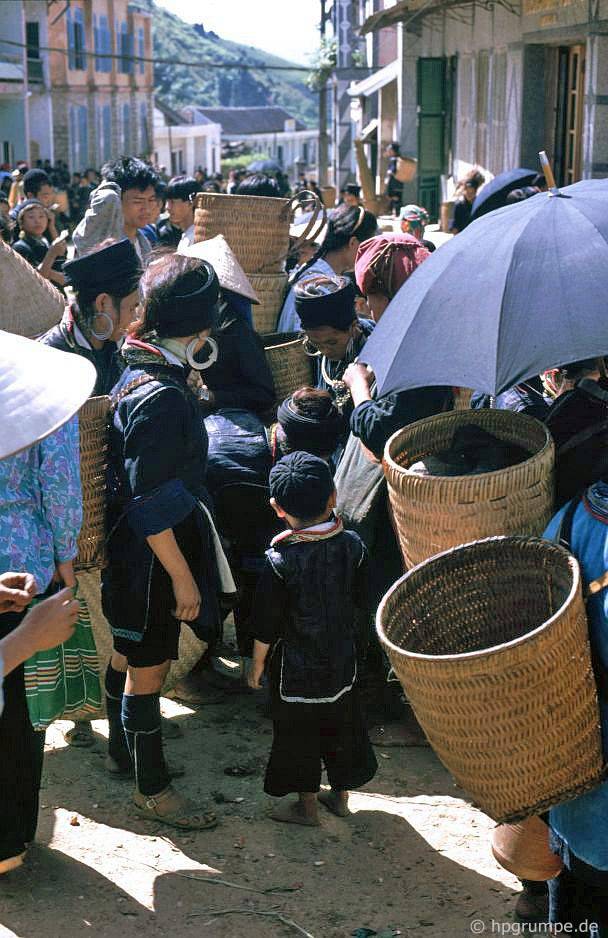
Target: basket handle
(318, 210)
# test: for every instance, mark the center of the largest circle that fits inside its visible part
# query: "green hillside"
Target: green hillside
(179, 85)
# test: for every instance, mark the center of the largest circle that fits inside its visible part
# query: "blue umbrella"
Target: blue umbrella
(521, 290)
(494, 193)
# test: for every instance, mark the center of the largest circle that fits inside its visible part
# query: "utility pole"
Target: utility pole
(323, 137)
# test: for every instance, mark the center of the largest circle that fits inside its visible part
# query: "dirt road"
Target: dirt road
(413, 859)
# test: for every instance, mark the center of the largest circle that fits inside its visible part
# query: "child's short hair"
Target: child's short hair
(301, 484)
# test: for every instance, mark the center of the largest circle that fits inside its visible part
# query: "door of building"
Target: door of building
(432, 120)
(569, 114)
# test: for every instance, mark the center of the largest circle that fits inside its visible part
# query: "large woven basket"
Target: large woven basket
(490, 643)
(255, 227)
(94, 439)
(433, 513)
(291, 367)
(190, 647)
(30, 304)
(271, 289)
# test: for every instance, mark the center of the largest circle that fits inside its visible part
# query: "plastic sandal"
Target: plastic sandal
(168, 807)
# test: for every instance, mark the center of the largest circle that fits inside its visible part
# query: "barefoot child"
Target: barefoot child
(312, 588)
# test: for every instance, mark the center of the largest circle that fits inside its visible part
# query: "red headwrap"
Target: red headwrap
(384, 263)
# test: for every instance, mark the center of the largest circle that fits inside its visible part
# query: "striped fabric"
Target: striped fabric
(64, 679)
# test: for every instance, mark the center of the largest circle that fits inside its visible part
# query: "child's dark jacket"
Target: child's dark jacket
(309, 602)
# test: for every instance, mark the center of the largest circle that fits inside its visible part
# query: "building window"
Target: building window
(144, 136)
(126, 128)
(141, 49)
(79, 137)
(76, 39)
(125, 40)
(34, 63)
(104, 132)
(103, 44)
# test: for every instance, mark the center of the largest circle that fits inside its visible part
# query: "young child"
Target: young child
(307, 604)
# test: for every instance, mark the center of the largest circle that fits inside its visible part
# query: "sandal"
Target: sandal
(11, 863)
(80, 736)
(169, 807)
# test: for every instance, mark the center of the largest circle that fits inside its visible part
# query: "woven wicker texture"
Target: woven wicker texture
(190, 647)
(255, 227)
(433, 513)
(30, 304)
(291, 367)
(93, 424)
(490, 643)
(270, 289)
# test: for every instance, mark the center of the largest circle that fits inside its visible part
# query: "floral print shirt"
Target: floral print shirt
(41, 506)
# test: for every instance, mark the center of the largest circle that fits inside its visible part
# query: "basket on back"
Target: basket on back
(30, 304)
(433, 513)
(94, 440)
(271, 289)
(489, 641)
(255, 227)
(291, 367)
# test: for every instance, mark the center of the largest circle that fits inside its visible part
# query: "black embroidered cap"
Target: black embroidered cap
(115, 269)
(301, 485)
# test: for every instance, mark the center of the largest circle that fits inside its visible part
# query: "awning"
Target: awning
(10, 71)
(386, 17)
(375, 82)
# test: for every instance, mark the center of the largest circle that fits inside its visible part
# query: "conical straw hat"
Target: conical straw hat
(40, 389)
(229, 272)
(29, 304)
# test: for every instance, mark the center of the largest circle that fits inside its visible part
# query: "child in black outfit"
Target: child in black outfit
(308, 600)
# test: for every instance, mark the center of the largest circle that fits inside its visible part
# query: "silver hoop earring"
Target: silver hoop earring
(309, 348)
(201, 366)
(106, 335)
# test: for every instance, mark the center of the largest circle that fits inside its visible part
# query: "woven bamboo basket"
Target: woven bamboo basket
(190, 647)
(255, 227)
(94, 441)
(291, 367)
(433, 513)
(271, 289)
(30, 304)
(489, 641)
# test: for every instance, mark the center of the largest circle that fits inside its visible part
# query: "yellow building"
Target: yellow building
(101, 90)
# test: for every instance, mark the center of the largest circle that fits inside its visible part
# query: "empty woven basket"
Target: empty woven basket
(290, 365)
(30, 304)
(433, 513)
(490, 643)
(93, 425)
(270, 289)
(255, 227)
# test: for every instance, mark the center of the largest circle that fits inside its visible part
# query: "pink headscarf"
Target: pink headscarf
(384, 263)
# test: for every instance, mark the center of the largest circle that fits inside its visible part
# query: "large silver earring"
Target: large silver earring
(102, 337)
(200, 366)
(309, 348)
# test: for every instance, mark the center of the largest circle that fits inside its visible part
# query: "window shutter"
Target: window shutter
(71, 49)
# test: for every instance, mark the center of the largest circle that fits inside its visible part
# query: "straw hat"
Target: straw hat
(229, 272)
(40, 389)
(30, 304)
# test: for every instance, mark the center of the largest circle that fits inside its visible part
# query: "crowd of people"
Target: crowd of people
(217, 500)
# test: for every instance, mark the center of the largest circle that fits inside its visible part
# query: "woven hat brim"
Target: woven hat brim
(30, 304)
(40, 389)
(229, 272)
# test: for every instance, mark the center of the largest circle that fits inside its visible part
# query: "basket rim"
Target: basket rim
(492, 649)
(390, 463)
